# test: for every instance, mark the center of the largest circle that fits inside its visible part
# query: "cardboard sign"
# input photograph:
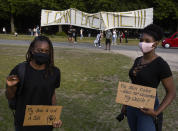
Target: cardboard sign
(136, 95)
(41, 115)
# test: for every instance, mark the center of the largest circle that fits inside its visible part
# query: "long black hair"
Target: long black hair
(29, 55)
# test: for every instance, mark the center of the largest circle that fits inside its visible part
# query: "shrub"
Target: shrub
(61, 34)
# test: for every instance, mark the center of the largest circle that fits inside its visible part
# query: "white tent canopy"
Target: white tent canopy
(137, 19)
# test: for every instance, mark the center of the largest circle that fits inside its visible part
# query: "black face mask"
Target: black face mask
(41, 58)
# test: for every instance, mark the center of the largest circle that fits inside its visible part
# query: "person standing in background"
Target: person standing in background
(120, 36)
(34, 31)
(89, 33)
(126, 34)
(38, 30)
(29, 31)
(108, 39)
(70, 34)
(4, 30)
(114, 37)
(98, 39)
(123, 35)
(81, 33)
(75, 35)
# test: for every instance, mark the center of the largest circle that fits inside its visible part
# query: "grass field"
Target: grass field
(88, 89)
(55, 38)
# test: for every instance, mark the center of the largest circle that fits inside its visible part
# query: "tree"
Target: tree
(14, 11)
(166, 11)
(12, 8)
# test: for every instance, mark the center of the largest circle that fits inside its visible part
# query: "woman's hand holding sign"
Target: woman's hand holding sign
(57, 124)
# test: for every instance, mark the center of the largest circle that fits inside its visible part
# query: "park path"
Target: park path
(170, 55)
(171, 58)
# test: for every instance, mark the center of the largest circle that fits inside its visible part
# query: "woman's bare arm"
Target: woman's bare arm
(170, 88)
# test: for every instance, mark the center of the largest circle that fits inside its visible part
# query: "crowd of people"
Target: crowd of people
(73, 33)
(36, 31)
(111, 36)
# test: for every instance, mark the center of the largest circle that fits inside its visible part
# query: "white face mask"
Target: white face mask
(146, 47)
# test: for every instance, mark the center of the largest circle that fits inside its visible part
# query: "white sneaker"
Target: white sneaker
(99, 46)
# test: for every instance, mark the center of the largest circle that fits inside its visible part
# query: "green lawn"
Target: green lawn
(88, 89)
(65, 39)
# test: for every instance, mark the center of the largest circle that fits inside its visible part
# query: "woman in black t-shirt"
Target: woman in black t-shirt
(149, 70)
(41, 78)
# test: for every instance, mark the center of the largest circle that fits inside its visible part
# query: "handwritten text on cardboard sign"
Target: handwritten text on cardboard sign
(136, 95)
(41, 115)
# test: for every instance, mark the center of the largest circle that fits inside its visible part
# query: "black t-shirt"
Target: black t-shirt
(150, 74)
(37, 90)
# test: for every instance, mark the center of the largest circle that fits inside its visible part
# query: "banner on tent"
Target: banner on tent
(137, 19)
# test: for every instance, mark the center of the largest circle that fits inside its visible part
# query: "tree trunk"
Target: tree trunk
(60, 28)
(12, 24)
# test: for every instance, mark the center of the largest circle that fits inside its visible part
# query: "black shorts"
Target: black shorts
(108, 41)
